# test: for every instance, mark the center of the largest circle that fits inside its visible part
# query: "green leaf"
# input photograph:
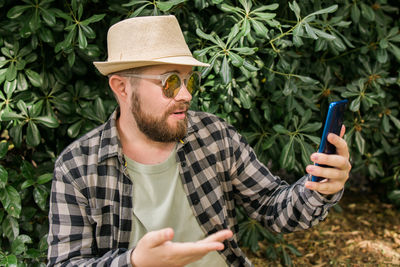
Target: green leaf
(294, 250)
(16, 11)
(267, 7)
(47, 121)
(310, 31)
(236, 60)
(82, 39)
(230, 9)
(280, 129)
(382, 56)
(167, 5)
(16, 134)
(323, 34)
(226, 73)
(395, 121)
(324, 11)
(355, 13)
(32, 134)
(74, 129)
(33, 253)
(385, 124)
(46, 35)
(311, 127)
(88, 31)
(295, 8)
(360, 141)
(11, 261)
(9, 87)
(287, 158)
(394, 195)
(3, 151)
(286, 258)
(27, 183)
(34, 77)
(48, 17)
(206, 36)
(18, 245)
(307, 80)
(245, 99)
(245, 50)
(45, 178)
(3, 177)
(11, 73)
(259, 28)
(100, 110)
(92, 19)
(355, 104)
(8, 116)
(13, 201)
(264, 16)
(22, 84)
(10, 228)
(367, 12)
(40, 195)
(249, 67)
(395, 50)
(316, 140)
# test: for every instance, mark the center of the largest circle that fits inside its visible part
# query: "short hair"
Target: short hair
(133, 80)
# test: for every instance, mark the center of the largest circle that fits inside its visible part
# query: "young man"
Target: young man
(157, 184)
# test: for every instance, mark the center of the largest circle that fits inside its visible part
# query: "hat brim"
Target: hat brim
(106, 67)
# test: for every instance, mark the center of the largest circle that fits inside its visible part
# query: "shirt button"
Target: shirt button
(196, 201)
(183, 163)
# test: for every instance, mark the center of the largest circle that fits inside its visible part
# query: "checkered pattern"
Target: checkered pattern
(91, 200)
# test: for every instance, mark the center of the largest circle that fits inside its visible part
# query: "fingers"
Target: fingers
(156, 238)
(219, 236)
(342, 131)
(340, 144)
(336, 161)
(324, 187)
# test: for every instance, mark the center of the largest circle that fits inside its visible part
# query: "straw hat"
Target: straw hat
(144, 41)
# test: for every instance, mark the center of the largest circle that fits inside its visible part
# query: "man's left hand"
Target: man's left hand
(336, 176)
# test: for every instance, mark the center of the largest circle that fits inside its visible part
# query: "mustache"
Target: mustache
(178, 106)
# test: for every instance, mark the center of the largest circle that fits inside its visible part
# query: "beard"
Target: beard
(157, 128)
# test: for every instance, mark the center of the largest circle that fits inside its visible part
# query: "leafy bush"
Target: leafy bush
(274, 69)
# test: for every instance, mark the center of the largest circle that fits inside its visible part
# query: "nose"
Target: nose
(183, 94)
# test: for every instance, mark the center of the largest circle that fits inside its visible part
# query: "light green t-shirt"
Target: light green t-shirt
(159, 201)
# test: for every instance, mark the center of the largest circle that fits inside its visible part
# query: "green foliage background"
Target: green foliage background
(275, 66)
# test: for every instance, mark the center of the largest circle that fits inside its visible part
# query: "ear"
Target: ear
(119, 86)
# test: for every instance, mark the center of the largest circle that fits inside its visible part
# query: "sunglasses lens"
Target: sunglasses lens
(193, 83)
(172, 86)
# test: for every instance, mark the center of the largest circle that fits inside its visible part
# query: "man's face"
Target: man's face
(160, 118)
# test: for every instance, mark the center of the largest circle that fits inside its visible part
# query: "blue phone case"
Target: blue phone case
(333, 124)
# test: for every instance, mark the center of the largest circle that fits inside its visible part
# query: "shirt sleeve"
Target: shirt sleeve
(268, 199)
(71, 239)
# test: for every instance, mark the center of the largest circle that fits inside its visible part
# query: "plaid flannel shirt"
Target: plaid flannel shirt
(91, 198)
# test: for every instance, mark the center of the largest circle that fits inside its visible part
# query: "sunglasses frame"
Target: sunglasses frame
(164, 77)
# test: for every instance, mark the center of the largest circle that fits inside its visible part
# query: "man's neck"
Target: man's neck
(138, 146)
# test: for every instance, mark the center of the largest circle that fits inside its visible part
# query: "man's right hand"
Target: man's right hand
(156, 249)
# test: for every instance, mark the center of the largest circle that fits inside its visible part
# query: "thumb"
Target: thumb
(157, 238)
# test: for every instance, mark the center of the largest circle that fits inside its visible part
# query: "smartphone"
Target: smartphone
(333, 124)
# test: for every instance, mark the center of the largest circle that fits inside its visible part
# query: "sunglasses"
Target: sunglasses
(172, 82)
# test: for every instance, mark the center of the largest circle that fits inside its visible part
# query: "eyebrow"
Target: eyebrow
(170, 72)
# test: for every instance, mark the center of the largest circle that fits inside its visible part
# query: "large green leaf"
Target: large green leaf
(32, 134)
(10, 228)
(47, 121)
(3, 177)
(40, 195)
(287, 158)
(360, 141)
